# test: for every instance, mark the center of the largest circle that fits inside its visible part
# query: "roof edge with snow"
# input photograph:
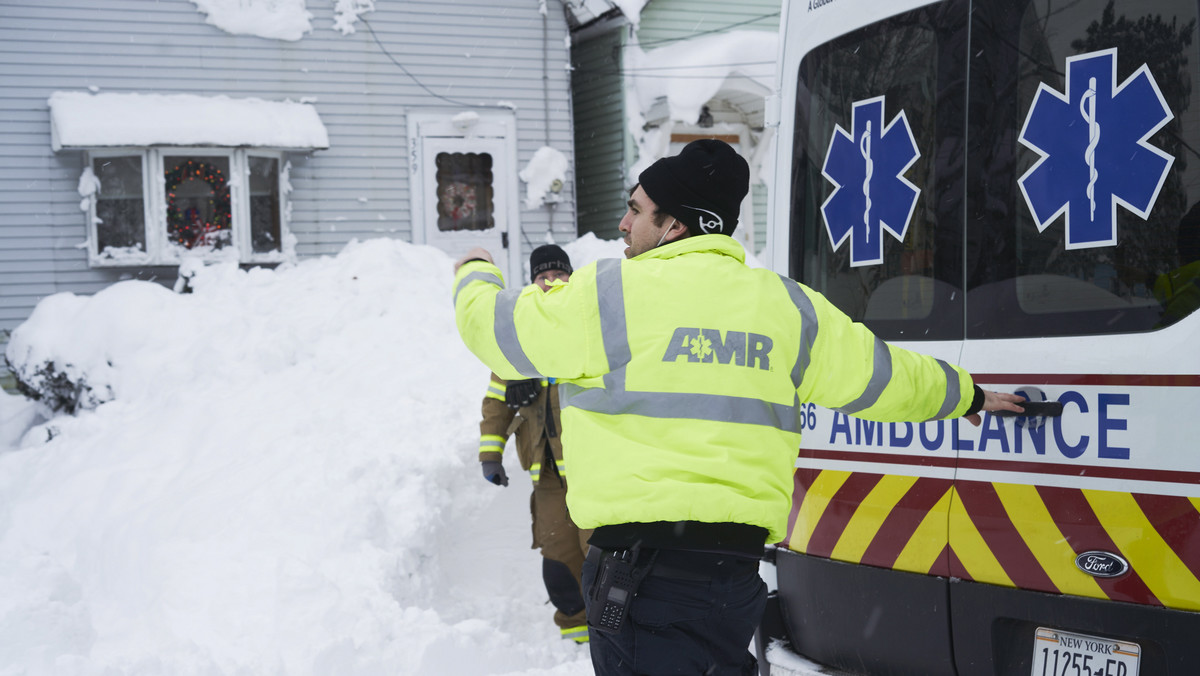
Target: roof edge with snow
(82, 120)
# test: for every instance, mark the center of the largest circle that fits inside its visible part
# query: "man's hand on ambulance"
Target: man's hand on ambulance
(478, 252)
(997, 401)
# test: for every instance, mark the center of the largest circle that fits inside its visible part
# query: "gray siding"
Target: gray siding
(759, 196)
(479, 52)
(600, 134)
(664, 22)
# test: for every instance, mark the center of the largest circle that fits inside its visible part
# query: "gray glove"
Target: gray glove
(494, 472)
(520, 393)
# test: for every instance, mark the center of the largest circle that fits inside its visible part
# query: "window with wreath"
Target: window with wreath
(199, 213)
(196, 175)
(156, 206)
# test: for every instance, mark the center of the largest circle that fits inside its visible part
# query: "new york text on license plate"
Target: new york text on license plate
(1059, 653)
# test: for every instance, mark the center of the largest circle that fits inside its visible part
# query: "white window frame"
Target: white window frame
(154, 200)
(242, 236)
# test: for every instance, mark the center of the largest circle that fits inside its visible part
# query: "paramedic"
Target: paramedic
(682, 372)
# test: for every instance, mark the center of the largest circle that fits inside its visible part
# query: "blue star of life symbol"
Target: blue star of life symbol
(1092, 140)
(870, 195)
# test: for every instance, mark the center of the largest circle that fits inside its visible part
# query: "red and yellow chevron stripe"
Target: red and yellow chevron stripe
(999, 533)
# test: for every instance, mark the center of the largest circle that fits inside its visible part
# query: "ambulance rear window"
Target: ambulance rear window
(866, 115)
(1042, 156)
(1084, 191)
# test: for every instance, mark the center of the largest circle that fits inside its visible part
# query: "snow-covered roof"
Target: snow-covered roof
(83, 120)
(690, 72)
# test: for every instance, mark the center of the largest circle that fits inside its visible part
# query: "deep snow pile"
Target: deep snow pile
(277, 475)
(282, 481)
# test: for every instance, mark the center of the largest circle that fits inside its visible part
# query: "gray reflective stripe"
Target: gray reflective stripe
(953, 391)
(681, 406)
(881, 375)
(488, 277)
(565, 392)
(506, 333)
(808, 328)
(610, 299)
(487, 443)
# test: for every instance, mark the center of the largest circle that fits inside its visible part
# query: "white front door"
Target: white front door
(464, 188)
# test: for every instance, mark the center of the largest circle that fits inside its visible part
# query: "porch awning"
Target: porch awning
(84, 120)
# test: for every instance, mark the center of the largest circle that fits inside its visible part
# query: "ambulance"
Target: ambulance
(1012, 186)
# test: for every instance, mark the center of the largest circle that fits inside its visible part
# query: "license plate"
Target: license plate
(1060, 653)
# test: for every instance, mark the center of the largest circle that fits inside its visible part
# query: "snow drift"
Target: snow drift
(275, 474)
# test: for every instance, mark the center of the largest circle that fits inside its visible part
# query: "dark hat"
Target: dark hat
(702, 187)
(548, 257)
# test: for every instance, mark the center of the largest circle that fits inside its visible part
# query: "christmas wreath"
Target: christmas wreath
(459, 201)
(184, 226)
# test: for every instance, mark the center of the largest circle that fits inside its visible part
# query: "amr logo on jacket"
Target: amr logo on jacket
(752, 350)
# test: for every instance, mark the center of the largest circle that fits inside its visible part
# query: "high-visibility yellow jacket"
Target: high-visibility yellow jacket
(682, 372)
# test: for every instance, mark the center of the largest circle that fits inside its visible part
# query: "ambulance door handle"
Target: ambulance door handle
(1034, 409)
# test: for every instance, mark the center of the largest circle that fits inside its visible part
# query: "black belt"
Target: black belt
(679, 564)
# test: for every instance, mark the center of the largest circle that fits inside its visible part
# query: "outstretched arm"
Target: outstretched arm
(523, 332)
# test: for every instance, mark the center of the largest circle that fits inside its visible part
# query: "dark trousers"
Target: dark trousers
(694, 613)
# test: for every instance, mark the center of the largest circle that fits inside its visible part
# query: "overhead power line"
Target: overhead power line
(414, 77)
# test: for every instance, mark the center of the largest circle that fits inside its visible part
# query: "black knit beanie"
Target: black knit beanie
(702, 187)
(548, 257)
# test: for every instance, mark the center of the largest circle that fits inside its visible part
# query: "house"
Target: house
(650, 76)
(136, 137)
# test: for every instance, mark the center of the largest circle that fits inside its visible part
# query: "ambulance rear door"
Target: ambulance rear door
(1012, 187)
(1083, 248)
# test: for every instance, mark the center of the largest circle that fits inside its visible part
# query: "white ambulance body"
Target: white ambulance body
(1012, 186)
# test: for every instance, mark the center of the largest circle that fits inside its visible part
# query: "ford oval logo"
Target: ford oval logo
(1102, 564)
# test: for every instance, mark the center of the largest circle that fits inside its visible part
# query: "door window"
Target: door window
(464, 191)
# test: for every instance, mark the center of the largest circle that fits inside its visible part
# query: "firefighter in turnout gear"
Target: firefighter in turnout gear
(682, 372)
(529, 409)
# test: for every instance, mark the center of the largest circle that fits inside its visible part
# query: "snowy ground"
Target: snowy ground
(282, 480)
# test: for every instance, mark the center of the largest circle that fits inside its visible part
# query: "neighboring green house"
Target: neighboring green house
(645, 85)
